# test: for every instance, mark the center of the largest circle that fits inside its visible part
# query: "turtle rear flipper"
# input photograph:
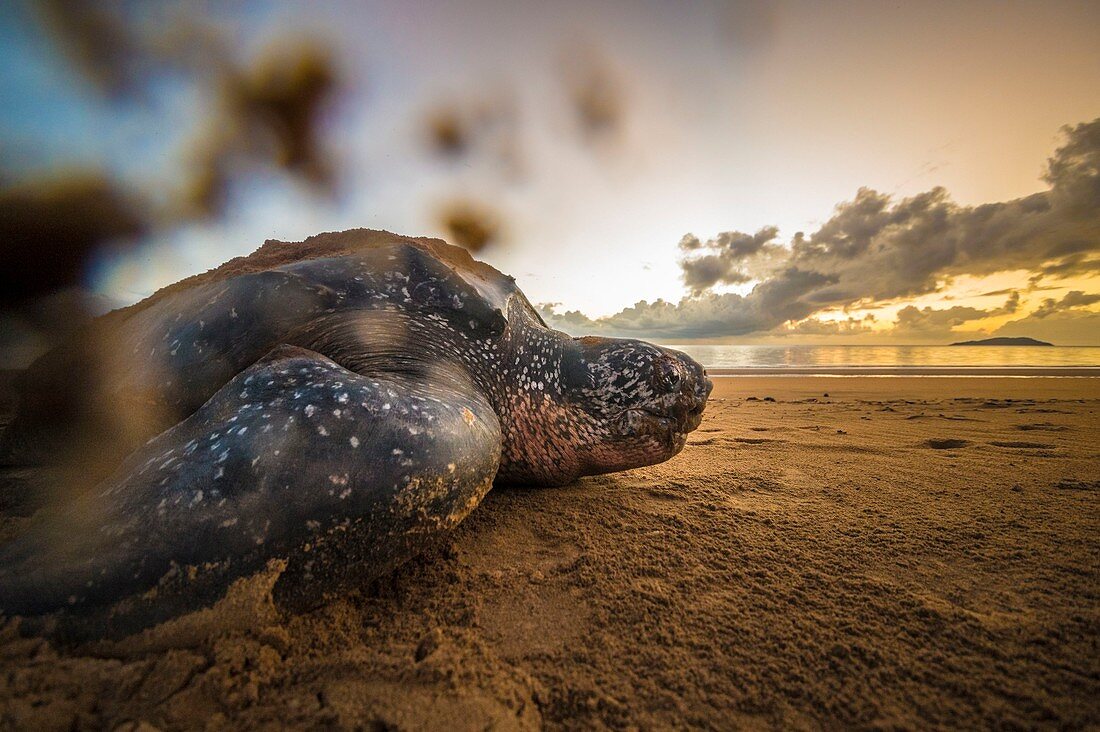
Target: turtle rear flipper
(347, 475)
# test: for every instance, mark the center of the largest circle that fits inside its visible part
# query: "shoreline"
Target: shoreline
(940, 371)
(940, 389)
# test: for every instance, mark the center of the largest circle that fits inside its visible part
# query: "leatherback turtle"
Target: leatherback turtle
(337, 403)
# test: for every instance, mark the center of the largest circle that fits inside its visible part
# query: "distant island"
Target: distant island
(1024, 341)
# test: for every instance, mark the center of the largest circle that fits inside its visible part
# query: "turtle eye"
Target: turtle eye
(668, 375)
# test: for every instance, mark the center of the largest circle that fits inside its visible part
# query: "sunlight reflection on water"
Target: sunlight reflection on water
(807, 356)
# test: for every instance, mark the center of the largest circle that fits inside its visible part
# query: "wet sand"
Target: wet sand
(904, 552)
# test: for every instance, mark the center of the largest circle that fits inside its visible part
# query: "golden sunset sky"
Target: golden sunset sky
(714, 172)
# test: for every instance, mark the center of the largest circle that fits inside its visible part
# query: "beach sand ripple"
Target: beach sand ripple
(889, 555)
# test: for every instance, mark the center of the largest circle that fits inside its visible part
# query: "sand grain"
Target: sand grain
(813, 561)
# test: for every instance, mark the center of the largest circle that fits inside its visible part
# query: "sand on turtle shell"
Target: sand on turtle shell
(806, 562)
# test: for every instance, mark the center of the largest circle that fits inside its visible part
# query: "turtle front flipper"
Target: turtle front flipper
(346, 475)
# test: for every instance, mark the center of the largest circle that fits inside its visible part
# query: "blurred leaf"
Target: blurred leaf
(94, 36)
(448, 132)
(470, 225)
(49, 228)
(284, 97)
(596, 93)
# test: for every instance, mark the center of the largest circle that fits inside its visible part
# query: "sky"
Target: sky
(714, 172)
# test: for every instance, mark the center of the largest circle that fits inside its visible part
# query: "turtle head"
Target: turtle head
(634, 402)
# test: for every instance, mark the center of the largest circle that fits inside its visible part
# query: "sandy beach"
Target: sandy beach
(827, 552)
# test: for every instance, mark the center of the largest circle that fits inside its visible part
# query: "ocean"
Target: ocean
(897, 360)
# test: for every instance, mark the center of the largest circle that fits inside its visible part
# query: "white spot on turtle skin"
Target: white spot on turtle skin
(336, 412)
(228, 522)
(322, 431)
(343, 398)
(310, 409)
(233, 313)
(339, 479)
(354, 441)
(450, 467)
(219, 474)
(345, 493)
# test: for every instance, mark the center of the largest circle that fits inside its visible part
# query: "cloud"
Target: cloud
(1064, 328)
(695, 317)
(931, 322)
(874, 250)
(816, 326)
(911, 319)
(733, 258)
(1073, 299)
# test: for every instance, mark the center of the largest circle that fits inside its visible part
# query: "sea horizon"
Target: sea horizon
(895, 360)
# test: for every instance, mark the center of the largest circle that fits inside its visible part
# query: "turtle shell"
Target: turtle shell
(496, 288)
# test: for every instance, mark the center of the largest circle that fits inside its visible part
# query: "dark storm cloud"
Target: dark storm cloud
(875, 249)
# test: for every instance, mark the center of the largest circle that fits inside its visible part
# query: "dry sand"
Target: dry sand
(906, 552)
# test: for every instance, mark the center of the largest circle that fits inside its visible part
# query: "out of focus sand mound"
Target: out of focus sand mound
(903, 552)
